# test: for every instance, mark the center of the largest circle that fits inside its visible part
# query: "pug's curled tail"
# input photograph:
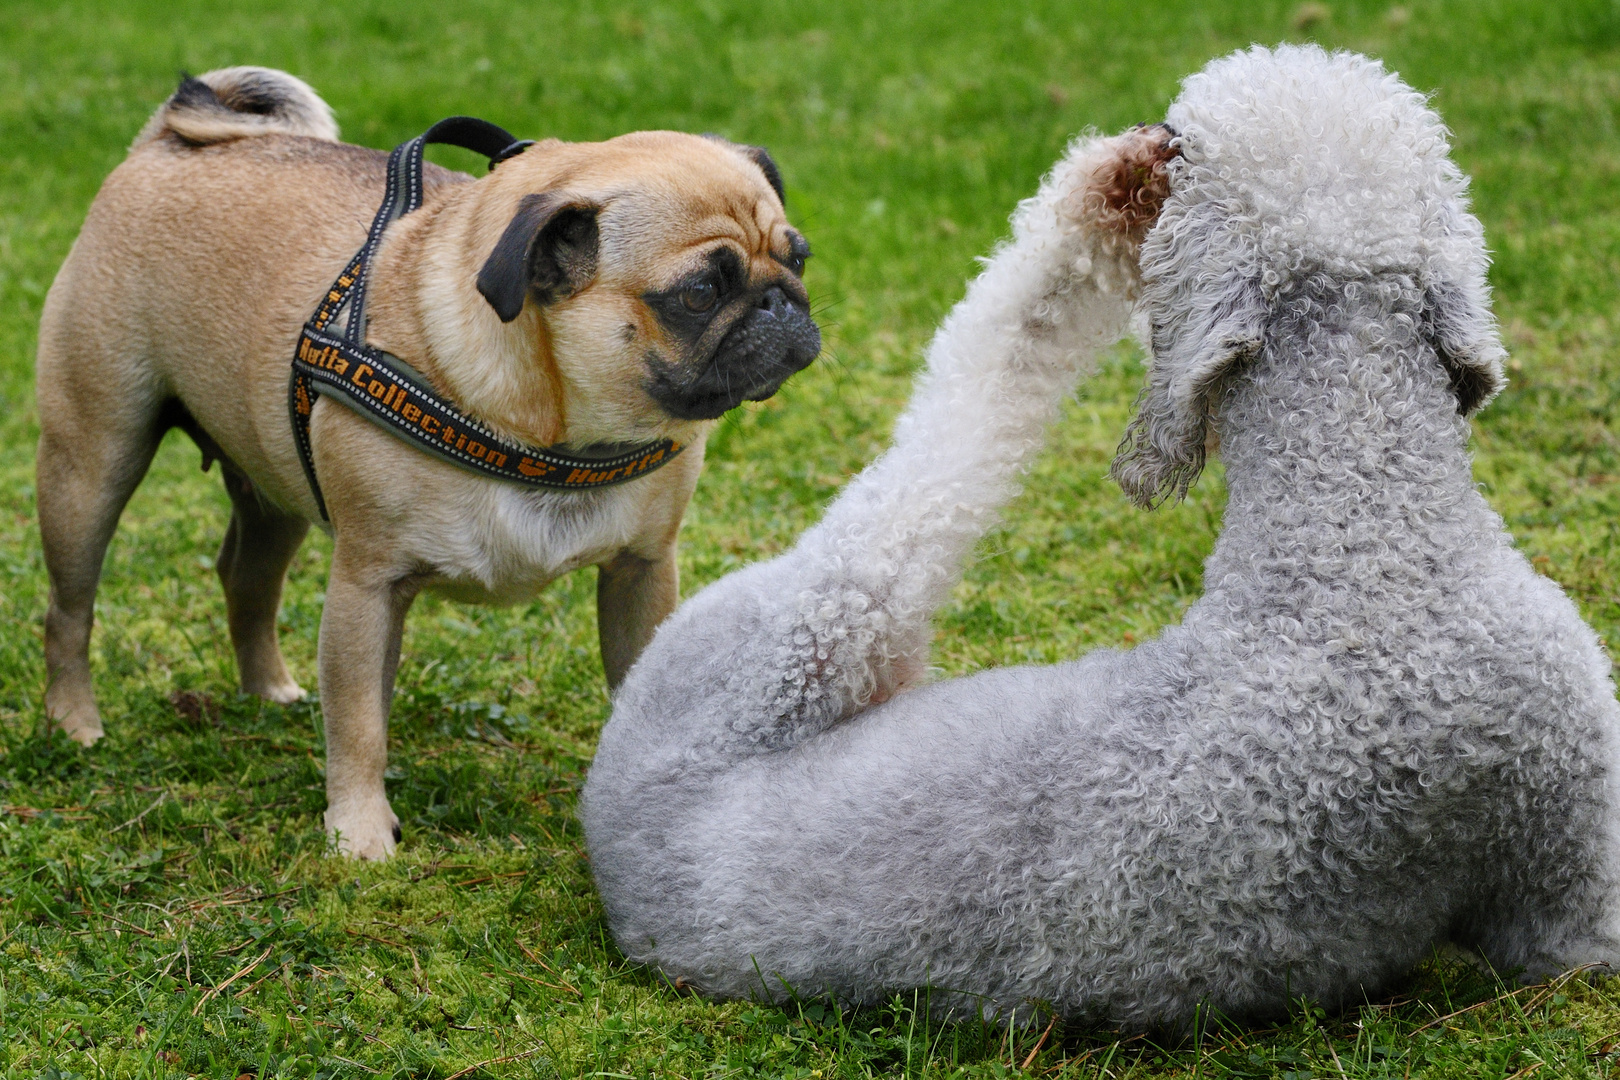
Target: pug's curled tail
(240, 102)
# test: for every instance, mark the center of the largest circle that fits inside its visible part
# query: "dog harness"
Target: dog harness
(385, 389)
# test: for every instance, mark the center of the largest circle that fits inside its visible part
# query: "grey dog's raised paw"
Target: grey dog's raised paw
(1127, 194)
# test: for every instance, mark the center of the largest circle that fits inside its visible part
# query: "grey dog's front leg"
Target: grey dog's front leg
(361, 628)
(771, 656)
(633, 595)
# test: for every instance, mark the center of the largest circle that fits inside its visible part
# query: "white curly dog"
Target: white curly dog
(1378, 730)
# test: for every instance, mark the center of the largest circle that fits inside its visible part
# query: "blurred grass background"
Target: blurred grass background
(137, 879)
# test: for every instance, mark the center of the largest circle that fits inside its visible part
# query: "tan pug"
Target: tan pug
(581, 293)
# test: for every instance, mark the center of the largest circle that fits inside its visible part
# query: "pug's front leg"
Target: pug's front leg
(633, 595)
(361, 627)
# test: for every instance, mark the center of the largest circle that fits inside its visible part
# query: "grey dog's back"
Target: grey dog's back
(1130, 834)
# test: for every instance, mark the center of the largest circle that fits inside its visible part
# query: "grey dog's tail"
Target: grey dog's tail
(237, 102)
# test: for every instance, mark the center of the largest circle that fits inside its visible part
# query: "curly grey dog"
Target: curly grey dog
(1378, 730)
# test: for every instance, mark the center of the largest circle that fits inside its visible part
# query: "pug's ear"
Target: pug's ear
(761, 157)
(549, 248)
(767, 165)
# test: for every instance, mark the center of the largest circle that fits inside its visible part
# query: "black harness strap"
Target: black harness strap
(383, 388)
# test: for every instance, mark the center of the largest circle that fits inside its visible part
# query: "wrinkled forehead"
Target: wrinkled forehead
(671, 191)
(745, 217)
(665, 202)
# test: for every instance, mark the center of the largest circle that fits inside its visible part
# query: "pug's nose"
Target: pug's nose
(775, 302)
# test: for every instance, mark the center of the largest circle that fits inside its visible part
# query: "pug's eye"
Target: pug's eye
(700, 297)
(798, 252)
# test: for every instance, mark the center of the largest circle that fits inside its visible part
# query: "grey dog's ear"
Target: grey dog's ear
(1457, 320)
(1162, 452)
(1456, 316)
(549, 248)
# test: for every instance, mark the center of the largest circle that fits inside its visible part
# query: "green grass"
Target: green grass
(166, 906)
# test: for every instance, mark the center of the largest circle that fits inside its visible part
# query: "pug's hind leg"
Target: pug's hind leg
(87, 467)
(361, 629)
(259, 545)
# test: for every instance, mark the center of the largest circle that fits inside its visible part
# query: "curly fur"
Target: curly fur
(1378, 730)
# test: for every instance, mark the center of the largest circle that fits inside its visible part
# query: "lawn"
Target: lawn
(166, 904)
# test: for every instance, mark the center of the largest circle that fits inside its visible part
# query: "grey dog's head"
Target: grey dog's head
(1296, 162)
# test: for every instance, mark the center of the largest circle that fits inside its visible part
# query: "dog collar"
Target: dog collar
(388, 391)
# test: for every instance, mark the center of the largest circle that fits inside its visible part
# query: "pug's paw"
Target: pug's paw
(283, 691)
(75, 714)
(367, 830)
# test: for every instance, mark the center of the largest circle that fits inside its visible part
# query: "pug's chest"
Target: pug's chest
(516, 543)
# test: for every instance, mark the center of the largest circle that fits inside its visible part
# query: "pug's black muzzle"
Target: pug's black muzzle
(755, 357)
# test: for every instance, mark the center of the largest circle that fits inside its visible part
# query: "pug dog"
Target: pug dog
(579, 294)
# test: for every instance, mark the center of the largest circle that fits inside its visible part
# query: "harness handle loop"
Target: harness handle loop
(405, 189)
(479, 136)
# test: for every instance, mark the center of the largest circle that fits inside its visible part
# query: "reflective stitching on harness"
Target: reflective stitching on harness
(344, 367)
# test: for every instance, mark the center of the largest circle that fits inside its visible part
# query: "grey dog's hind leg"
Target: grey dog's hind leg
(259, 546)
(91, 458)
